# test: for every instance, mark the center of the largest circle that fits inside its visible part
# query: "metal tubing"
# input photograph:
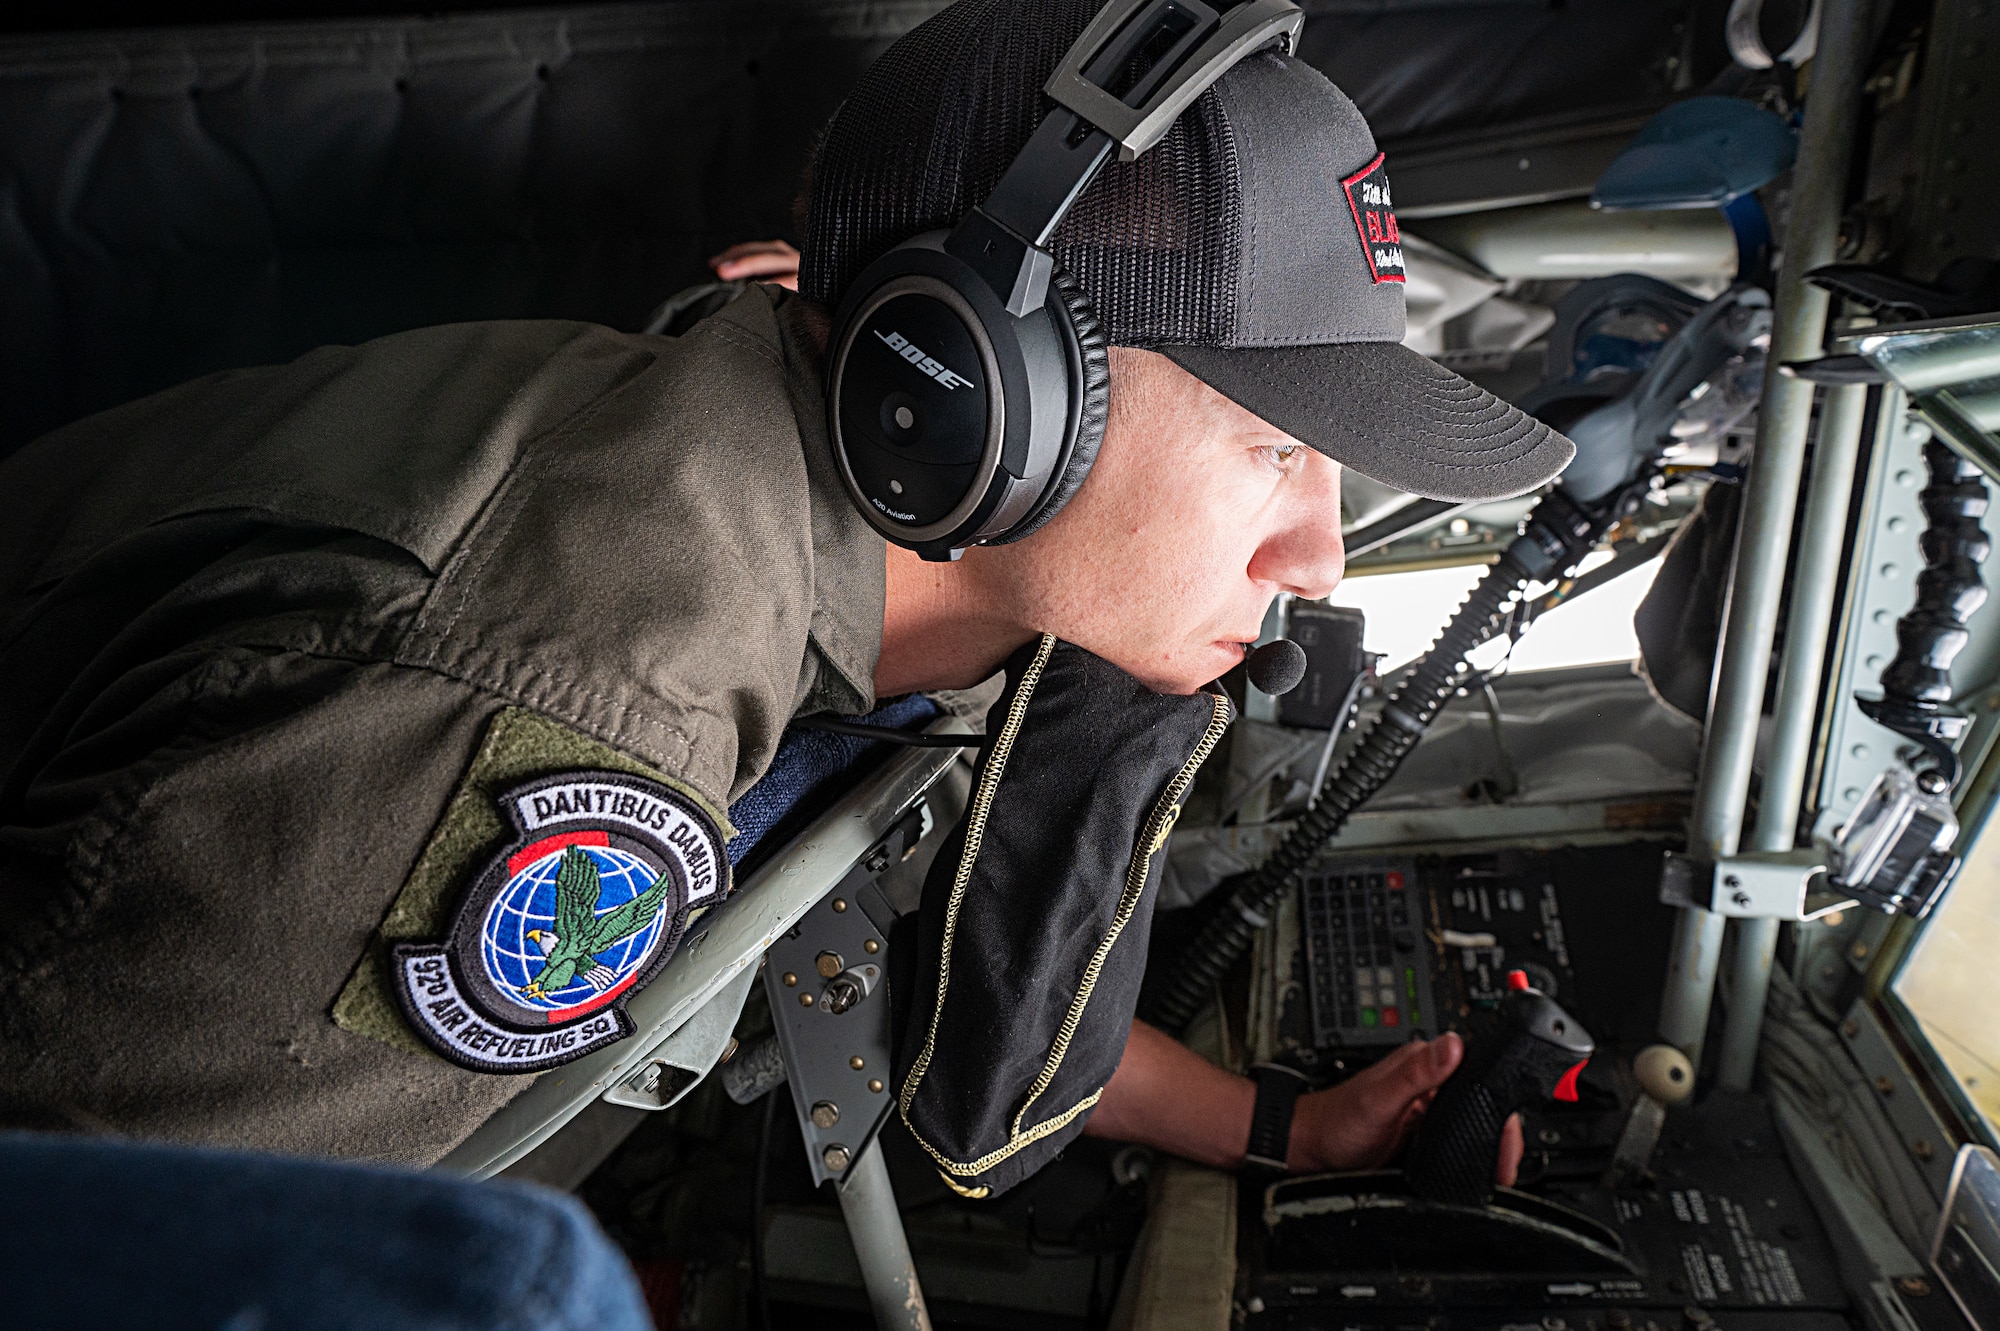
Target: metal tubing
(1818, 193)
(1835, 453)
(875, 1227)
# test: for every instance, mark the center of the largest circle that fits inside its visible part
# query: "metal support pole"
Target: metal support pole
(1835, 453)
(1819, 187)
(875, 1227)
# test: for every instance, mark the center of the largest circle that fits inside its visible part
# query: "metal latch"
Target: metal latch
(1783, 885)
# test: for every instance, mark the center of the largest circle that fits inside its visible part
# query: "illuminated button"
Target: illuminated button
(1391, 1017)
(1368, 1016)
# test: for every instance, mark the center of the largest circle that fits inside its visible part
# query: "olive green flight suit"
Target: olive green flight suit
(258, 630)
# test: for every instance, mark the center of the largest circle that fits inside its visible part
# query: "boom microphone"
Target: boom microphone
(1276, 667)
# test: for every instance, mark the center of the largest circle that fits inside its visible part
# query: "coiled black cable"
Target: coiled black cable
(1556, 536)
(1916, 685)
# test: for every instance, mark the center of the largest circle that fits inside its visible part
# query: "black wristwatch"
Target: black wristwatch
(1278, 1091)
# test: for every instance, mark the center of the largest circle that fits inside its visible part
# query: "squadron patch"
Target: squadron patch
(582, 907)
(1375, 217)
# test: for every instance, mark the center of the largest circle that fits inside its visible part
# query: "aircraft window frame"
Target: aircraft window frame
(1903, 946)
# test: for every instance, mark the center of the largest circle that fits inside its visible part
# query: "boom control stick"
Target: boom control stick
(1535, 1056)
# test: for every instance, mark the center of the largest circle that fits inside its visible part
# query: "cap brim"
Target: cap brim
(1389, 413)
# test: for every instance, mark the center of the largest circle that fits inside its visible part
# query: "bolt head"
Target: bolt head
(842, 994)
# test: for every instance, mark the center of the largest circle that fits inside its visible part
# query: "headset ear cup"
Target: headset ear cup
(1073, 303)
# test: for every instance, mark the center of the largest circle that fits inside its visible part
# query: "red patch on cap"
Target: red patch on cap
(1375, 218)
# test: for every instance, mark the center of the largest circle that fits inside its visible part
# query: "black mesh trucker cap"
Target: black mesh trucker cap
(1256, 245)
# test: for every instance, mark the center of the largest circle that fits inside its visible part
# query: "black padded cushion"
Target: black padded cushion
(1068, 299)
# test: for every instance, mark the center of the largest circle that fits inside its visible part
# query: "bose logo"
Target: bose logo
(903, 347)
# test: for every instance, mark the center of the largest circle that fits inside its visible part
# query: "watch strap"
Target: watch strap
(1278, 1091)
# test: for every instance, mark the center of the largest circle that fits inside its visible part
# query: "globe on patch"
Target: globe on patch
(528, 903)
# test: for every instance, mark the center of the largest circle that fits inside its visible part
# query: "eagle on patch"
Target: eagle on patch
(580, 932)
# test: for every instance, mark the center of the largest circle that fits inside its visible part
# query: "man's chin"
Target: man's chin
(1187, 672)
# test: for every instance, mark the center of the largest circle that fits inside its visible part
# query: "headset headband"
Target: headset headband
(1004, 239)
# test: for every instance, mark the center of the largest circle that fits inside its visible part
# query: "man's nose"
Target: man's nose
(1306, 555)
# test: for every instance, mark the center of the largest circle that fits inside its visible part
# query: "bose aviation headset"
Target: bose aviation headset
(967, 380)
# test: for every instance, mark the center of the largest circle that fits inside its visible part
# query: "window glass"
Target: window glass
(1407, 610)
(1947, 981)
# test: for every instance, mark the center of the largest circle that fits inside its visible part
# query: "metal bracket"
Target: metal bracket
(678, 1063)
(827, 979)
(1784, 885)
(1966, 1251)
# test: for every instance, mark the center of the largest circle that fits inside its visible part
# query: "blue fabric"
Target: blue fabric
(1704, 151)
(116, 1235)
(805, 762)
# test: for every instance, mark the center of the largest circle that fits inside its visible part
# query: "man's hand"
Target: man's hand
(1167, 1096)
(1364, 1122)
(771, 261)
